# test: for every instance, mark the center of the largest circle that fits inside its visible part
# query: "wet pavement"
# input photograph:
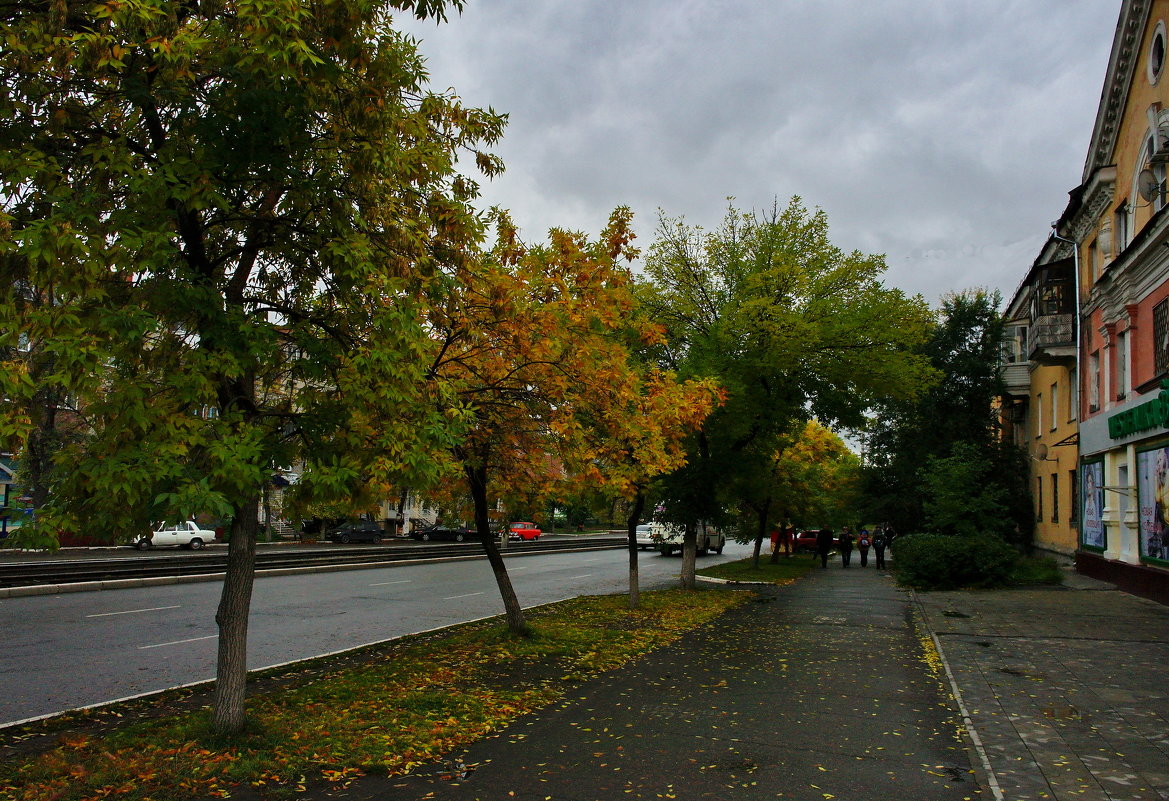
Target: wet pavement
(825, 689)
(1067, 689)
(843, 686)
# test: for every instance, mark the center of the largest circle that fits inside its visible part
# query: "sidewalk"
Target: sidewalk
(1067, 689)
(825, 689)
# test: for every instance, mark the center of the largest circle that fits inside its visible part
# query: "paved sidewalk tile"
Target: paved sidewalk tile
(1065, 688)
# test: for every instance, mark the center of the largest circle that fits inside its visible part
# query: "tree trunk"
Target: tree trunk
(761, 529)
(477, 482)
(631, 530)
(228, 713)
(689, 554)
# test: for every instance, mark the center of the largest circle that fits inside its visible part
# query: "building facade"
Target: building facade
(1118, 222)
(1040, 406)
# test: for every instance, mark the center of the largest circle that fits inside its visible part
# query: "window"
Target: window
(1094, 382)
(1161, 337)
(1075, 488)
(1121, 365)
(1156, 61)
(1039, 500)
(1120, 226)
(1073, 396)
(1055, 497)
(1094, 260)
(1039, 415)
(1054, 405)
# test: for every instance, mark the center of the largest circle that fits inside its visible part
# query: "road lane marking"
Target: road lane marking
(586, 575)
(134, 611)
(468, 595)
(399, 581)
(177, 642)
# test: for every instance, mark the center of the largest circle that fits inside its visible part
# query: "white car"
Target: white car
(645, 537)
(186, 535)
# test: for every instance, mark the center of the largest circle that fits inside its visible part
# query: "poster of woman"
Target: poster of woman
(1093, 494)
(1153, 486)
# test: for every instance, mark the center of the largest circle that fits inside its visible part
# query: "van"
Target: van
(669, 538)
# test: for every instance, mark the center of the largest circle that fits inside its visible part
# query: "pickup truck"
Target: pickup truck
(185, 534)
(669, 538)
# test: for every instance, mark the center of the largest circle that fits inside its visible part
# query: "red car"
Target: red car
(523, 531)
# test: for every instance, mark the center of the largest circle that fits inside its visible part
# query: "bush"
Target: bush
(948, 562)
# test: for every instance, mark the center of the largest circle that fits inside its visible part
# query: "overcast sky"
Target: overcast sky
(945, 135)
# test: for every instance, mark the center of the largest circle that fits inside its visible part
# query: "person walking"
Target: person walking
(863, 543)
(879, 543)
(786, 534)
(824, 542)
(845, 544)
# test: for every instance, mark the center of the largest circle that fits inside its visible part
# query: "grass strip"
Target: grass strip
(401, 705)
(786, 571)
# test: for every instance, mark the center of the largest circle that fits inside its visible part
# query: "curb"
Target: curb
(982, 767)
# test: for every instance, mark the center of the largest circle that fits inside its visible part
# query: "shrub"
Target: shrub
(949, 562)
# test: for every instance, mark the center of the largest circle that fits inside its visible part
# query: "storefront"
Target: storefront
(1124, 496)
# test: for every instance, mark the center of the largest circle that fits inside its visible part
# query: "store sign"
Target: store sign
(1149, 415)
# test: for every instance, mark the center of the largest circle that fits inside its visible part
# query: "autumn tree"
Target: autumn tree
(231, 214)
(533, 337)
(811, 476)
(789, 325)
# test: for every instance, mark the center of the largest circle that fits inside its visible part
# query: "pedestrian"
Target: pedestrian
(845, 544)
(862, 544)
(785, 539)
(879, 543)
(824, 542)
(890, 535)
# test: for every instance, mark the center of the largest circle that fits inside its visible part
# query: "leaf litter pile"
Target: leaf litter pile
(383, 710)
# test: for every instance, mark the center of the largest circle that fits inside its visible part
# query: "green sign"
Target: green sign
(1151, 414)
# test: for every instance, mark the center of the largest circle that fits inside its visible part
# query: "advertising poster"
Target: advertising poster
(1153, 489)
(1092, 476)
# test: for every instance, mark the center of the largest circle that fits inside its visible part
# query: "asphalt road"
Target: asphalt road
(72, 650)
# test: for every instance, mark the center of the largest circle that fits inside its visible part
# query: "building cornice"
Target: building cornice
(1126, 44)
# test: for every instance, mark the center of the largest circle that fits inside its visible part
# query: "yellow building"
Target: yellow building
(1039, 373)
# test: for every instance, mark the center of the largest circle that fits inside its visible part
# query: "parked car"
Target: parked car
(523, 531)
(669, 538)
(186, 534)
(806, 540)
(456, 533)
(645, 537)
(356, 531)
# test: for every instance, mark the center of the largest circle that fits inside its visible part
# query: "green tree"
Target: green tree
(790, 326)
(237, 209)
(957, 418)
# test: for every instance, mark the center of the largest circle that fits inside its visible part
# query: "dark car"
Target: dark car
(455, 533)
(356, 531)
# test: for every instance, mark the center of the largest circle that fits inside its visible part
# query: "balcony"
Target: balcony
(1052, 339)
(1016, 379)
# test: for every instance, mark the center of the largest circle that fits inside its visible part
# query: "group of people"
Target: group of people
(878, 541)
